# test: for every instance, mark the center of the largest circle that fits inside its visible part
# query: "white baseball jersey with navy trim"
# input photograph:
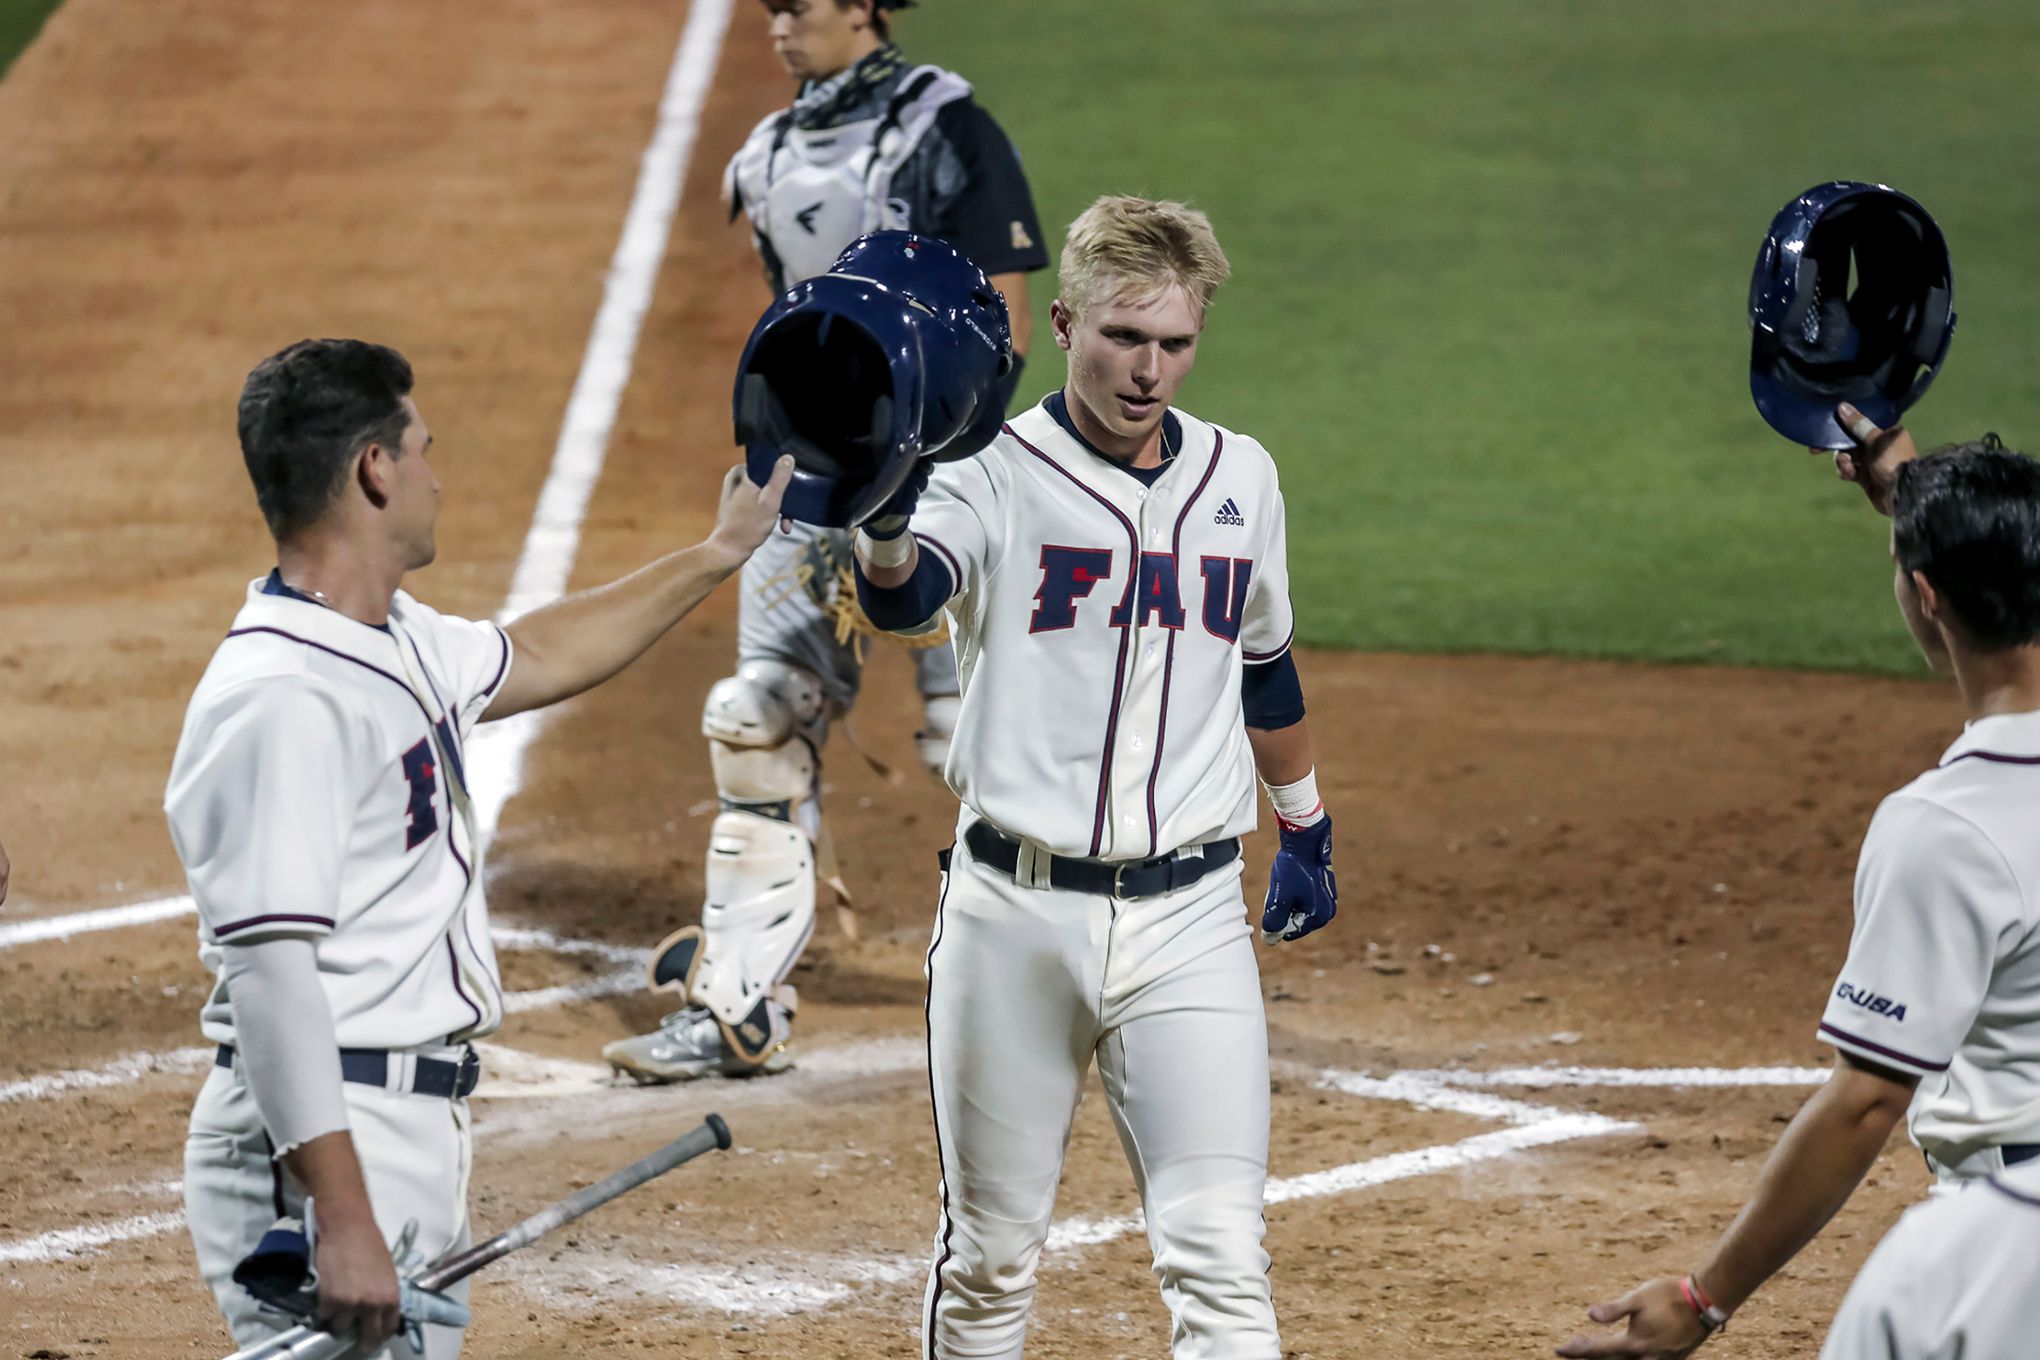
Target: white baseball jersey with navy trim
(1943, 974)
(308, 797)
(1101, 625)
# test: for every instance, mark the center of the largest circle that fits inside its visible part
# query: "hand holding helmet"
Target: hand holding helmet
(1852, 300)
(891, 358)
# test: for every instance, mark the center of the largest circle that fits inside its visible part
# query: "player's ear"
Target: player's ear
(1059, 322)
(1930, 601)
(373, 474)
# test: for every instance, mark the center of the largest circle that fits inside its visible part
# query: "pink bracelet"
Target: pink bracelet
(1711, 1317)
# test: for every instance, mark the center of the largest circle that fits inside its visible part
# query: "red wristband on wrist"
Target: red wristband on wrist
(1710, 1316)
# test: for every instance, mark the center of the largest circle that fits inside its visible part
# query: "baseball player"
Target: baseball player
(1115, 572)
(5, 869)
(1936, 1015)
(871, 143)
(318, 803)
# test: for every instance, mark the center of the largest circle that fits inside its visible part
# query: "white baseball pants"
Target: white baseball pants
(415, 1152)
(1954, 1279)
(1025, 987)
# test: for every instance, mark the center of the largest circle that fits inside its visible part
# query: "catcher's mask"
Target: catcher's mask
(892, 356)
(1852, 300)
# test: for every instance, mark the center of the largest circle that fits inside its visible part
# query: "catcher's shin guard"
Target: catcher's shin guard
(760, 905)
(758, 917)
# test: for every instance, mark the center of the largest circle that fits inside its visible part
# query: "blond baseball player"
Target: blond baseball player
(872, 142)
(1115, 573)
(319, 805)
(1936, 1015)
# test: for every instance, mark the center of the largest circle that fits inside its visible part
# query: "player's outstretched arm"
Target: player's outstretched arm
(579, 641)
(1829, 1146)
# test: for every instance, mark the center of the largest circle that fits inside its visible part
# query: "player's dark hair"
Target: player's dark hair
(1968, 517)
(307, 412)
(880, 25)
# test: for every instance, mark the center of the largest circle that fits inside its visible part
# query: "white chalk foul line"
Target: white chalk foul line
(67, 1242)
(495, 760)
(119, 1072)
(1540, 1078)
(496, 754)
(87, 922)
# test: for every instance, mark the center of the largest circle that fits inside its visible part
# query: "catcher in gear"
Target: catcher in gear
(870, 144)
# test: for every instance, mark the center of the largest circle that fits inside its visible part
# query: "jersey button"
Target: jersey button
(1136, 743)
(1141, 494)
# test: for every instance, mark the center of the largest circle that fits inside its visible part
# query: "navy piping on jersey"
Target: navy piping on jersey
(459, 771)
(1907, 1058)
(948, 558)
(1996, 758)
(1169, 656)
(1125, 635)
(1172, 439)
(2010, 1193)
(221, 932)
(1256, 658)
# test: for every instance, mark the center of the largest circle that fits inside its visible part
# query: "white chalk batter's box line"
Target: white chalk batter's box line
(627, 975)
(766, 1290)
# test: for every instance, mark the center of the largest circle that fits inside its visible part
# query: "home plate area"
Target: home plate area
(823, 1204)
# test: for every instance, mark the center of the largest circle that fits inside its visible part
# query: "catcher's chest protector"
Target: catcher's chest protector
(810, 193)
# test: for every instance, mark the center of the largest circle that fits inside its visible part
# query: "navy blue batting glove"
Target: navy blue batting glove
(1302, 894)
(892, 518)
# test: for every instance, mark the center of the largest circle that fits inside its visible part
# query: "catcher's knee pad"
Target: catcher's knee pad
(763, 726)
(938, 725)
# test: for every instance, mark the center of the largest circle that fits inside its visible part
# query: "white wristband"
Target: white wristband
(884, 552)
(1297, 804)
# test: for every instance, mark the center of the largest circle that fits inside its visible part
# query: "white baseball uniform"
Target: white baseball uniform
(1954, 1280)
(310, 796)
(1943, 974)
(1943, 981)
(1101, 625)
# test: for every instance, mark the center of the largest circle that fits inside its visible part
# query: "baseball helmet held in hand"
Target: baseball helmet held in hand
(891, 357)
(1852, 300)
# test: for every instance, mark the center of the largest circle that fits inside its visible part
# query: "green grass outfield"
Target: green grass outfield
(20, 21)
(1490, 266)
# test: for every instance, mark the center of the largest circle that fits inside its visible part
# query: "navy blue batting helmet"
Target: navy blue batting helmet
(1852, 300)
(893, 356)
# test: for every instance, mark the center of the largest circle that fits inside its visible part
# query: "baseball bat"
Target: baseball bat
(307, 1343)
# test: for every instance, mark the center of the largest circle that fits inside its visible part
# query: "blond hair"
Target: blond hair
(1136, 249)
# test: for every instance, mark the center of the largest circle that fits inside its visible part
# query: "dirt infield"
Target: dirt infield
(1544, 863)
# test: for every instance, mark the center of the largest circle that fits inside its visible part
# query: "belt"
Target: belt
(2020, 1152)
(371, 1067)
(1121, 879)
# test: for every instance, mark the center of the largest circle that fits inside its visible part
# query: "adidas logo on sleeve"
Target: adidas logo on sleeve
(1229, 513)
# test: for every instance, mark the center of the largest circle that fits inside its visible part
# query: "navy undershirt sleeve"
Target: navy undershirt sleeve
(1271, 693)
(911, 603)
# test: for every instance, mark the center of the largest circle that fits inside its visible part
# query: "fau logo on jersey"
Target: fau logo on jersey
(1069, 574)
